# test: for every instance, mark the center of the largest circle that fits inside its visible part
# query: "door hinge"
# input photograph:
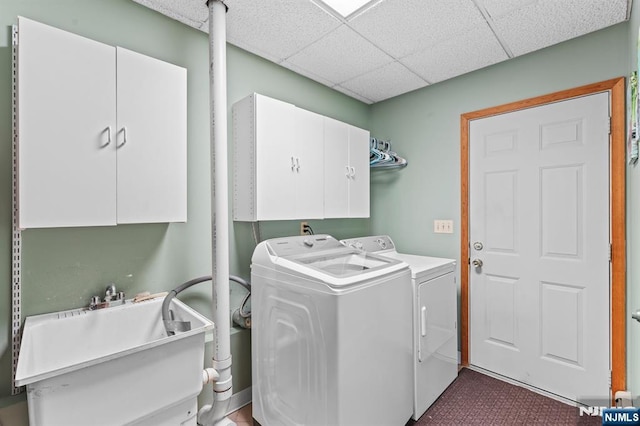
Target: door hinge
(610, 252)
(609, 124)
(610, 374)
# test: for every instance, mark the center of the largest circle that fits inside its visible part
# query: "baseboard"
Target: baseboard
(524, 385)
(239, 400)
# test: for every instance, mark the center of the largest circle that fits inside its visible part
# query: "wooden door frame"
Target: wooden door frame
(617, 152)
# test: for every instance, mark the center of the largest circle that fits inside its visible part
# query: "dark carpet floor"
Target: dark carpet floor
(477, 399)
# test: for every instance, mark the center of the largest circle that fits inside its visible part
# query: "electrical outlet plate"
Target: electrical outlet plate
(441, 226)
(302, 226)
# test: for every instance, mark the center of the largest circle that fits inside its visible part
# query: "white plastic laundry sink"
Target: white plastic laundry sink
(112, 366)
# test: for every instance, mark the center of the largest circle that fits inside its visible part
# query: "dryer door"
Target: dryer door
(436, 338)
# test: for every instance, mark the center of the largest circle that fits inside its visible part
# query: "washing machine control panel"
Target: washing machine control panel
(371, 244)
(290, 246)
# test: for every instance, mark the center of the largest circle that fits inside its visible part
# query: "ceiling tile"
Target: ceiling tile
(502, 7)
(276, 28)
(402, 27)
(435, 39)
(456, 56)
(340, 56)
(352, 94)
(548, 22)
(190, 12)
(306, 73)
(385, 82)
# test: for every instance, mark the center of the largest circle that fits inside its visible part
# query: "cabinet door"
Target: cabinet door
(151, 139)
(275, 160)
(66, 91)
(336, 168)
(309, 154)
(359, 167)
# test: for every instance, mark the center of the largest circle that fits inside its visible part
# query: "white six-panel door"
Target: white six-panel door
(539, 225)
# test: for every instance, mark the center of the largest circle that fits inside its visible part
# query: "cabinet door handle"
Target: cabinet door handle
(124, 137)
(293, 164)
(423, 321)
(297, 164)
(348, 174)
(108, 130)
(352, 171)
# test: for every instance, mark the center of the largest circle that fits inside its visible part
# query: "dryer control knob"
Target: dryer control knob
(307, 242)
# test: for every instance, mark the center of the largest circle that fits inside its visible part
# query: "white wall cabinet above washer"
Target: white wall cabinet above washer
(290, 163)
(346, 170)
(278, 162)
(102, 133)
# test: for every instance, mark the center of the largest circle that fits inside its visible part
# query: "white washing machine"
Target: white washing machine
(331, 335)
(435, 316)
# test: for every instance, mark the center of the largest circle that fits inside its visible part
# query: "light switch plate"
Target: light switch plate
(443, 226)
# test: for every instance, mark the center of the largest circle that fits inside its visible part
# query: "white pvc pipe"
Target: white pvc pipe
(215, 414)
(209, 375)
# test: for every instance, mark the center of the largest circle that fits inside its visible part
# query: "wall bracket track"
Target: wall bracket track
(16, 235)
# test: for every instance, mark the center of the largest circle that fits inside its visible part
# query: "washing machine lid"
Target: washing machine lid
(323, 258)
(421, 266)
(424, 266)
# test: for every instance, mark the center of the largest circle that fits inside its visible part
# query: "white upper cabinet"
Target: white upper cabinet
(152, 149)
(359, 179)
(277, 161)
(102, 133)
(346, 151)
(290, 163)
(66, 128)
(309, 159)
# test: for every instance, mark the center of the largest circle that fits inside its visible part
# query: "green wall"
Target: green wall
(62, 268)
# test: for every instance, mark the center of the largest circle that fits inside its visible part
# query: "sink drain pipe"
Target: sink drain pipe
(215, 413)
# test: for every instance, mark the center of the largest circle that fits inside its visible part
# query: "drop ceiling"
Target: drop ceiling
(389, 47)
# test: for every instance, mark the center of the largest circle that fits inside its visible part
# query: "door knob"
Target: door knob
(478, 245)
(477, 263)
(636, 315)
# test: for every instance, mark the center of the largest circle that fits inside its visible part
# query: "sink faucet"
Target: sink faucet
(112, 297)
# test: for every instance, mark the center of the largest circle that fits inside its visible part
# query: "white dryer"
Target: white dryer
(435, 316)
(331, 335)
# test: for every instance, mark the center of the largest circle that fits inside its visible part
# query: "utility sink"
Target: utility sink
(112, 366)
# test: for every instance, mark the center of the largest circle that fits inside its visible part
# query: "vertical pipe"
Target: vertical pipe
(214, 414)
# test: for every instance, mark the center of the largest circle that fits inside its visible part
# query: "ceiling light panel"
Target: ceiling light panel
(340, 56)
(277, 29)
(402, 27)
(456, 56)
(345, 7)
(548, 22)
(383, 83)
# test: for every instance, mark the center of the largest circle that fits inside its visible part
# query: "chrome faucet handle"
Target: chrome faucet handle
(110, 292)
(120, 295)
